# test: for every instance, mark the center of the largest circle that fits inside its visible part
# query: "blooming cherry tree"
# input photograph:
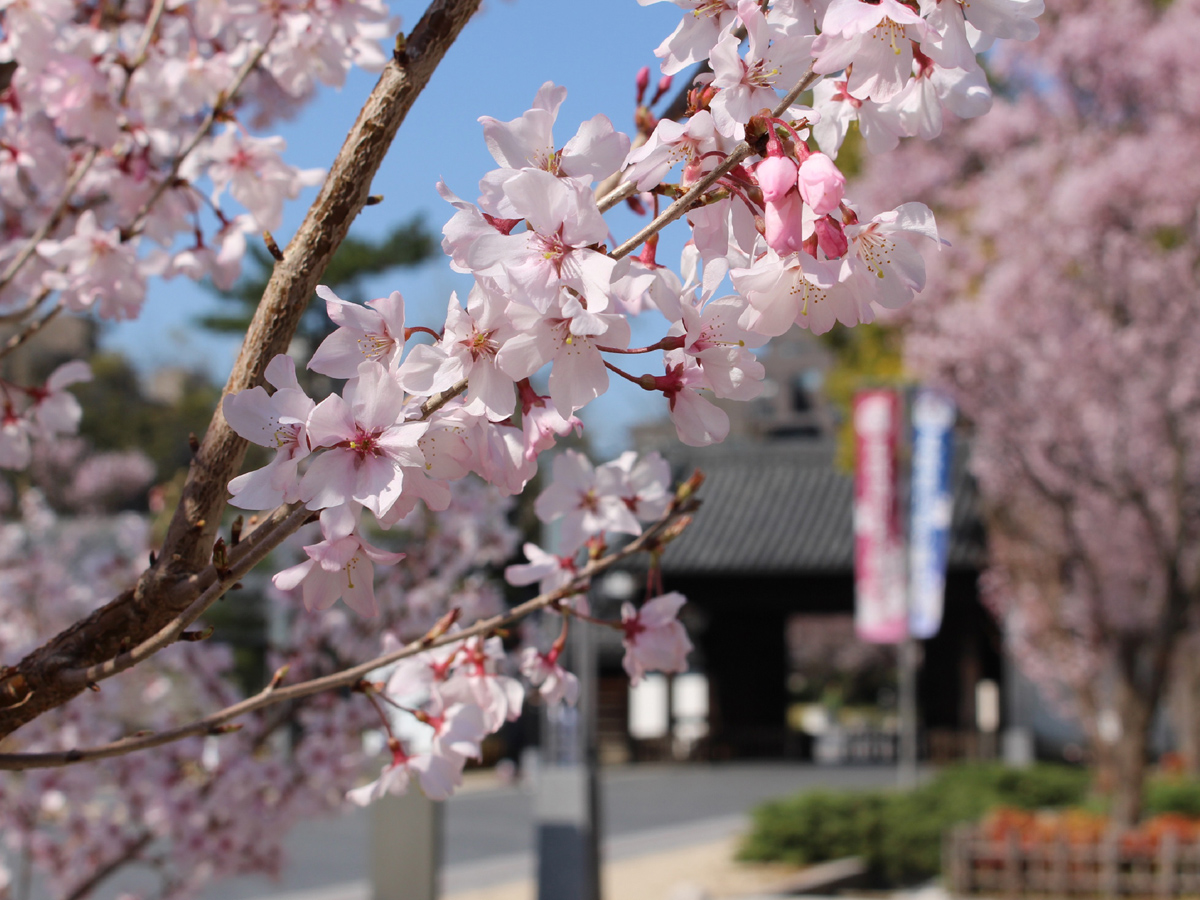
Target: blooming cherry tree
(127, 142)
(1070, 347)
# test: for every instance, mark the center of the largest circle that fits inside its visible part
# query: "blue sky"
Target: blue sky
(495, 68)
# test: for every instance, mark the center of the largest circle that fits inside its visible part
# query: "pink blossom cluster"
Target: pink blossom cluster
(459, 694)
(40, 414)
(116, 107)
(123, 132)
(205, 808)
(588, 504)
(551, 300)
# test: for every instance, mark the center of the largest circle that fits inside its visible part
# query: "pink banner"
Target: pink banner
(880, 612)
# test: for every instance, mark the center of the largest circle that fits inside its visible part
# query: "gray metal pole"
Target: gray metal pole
(567, 802)
(908, 652)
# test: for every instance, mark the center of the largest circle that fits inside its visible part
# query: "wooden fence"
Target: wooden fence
(974, 863)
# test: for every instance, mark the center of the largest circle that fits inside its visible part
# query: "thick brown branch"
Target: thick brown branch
(256, 552)
(36, 684)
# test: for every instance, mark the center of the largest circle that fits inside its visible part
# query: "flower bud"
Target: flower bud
(821, 184)
(664, 85)
(776, 175)
(784, 224)
(830, 237)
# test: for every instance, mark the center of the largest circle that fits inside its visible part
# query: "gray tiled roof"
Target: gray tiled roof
(777, 508)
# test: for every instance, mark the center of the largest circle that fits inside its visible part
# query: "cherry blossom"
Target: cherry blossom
(55, 411)
(876, 37)
(338, 568)
(99, 270)
(374, 332)
(654, 640)
(747, 86)
(467, 350)
(369, 445)
(256, 175)
(277, 421)
(554, 683)
(693, 39)
(549, 571)
(586, 499)
(594, 153)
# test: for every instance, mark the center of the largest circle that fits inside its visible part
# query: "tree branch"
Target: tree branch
(169, 587)
(268, 540)
(677, 517)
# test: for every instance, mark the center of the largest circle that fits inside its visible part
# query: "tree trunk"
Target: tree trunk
(1185, 706)
(1135, 711)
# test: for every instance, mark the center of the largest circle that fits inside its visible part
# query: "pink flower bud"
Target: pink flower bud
(784, 224)
(664, 85)
(830, 237)
(776, 175)
(821, 184)
(643, 82)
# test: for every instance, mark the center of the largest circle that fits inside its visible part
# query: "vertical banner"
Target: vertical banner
(880, 611)
(932, 504)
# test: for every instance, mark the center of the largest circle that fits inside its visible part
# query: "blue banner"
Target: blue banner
(933, 417)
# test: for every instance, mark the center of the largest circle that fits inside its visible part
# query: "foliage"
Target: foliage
(898, 834)
(1172, 794)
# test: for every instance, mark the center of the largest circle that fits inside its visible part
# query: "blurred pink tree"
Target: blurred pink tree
(128, 132)
(1063, 314)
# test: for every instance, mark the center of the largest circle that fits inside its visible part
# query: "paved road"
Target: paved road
(489, 829)
(489, 832)
(642, 798)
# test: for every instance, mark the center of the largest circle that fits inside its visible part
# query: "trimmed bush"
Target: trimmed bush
(899, 834)
(1172, 795)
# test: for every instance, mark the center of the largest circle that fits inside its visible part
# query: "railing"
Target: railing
(1113, 866)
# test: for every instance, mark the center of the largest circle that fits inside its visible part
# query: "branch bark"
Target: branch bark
(169, 587)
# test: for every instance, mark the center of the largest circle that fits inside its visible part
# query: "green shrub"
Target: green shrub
(1172, 795)
(899, 835)
(814, 827)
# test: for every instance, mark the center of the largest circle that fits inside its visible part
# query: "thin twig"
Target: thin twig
(684, 203)
(24, 311)
(139, 54)
(623, 191)
(88, 885)
(225, 98)
(609, 189)
(273, 694)
(52, 220)
(29, 331)
(143, 44)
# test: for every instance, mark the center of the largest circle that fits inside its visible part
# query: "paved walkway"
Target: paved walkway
(688, 863)
(671, 834)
